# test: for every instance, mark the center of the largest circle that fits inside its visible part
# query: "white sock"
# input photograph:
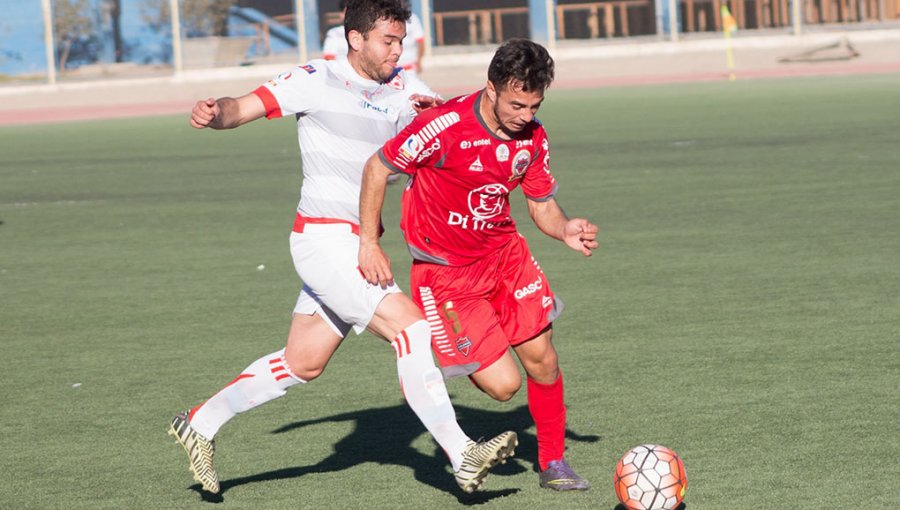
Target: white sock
(265, 379)
(425, 392)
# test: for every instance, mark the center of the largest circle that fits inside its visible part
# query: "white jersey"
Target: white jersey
(342, 119)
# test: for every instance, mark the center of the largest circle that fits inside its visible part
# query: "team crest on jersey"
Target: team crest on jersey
(463, 345)
(519, 164)
(502, 153)
(397, 82)
(308, 68)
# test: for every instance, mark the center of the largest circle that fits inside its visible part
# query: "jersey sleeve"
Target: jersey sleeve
(294, 91)
(538, 184)
(419, 143)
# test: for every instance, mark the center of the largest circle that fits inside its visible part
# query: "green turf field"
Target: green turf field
(744, 310)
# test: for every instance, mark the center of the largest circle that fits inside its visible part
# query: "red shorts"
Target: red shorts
(478, 311)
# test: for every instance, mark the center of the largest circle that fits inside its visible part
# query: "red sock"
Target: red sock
(548, 409)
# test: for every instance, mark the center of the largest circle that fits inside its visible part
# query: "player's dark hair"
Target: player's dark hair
(362, 14)
(523, 64)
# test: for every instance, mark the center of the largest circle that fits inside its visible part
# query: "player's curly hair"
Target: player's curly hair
(362, 14)
(524, 64)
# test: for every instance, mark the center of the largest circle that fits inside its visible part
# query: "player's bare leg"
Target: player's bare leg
(501, 380)
(547, 406)
(400, 320)
(311, 343)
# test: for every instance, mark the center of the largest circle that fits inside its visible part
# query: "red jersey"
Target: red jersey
(456, 205)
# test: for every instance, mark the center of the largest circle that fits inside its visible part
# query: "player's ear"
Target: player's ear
(355, 39)
(491, 91)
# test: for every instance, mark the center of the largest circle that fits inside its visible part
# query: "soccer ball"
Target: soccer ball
(650, 477)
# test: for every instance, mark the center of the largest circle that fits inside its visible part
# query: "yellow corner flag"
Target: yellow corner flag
(729, 26)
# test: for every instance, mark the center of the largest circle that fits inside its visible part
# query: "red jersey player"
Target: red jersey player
(473, 274)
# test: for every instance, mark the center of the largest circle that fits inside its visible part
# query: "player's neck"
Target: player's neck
(490, 120)
(356, 63)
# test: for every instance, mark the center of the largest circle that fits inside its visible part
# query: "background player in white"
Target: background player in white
(344, 109)
(473, 274)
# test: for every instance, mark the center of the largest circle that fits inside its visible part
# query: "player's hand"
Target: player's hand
(374, 265)
(204, 112)
(581, 235)
(422, 102)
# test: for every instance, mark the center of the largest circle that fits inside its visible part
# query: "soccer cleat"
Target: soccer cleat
(199, 449)
(479, 457)
(560, 477)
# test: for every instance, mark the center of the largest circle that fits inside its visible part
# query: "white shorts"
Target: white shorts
(326, 257)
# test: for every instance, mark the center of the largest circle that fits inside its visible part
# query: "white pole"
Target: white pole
(796, 13)
(426, 26)
(176, 36)
(301, 31)
(551, 25)
(49, 47)
(673, 20)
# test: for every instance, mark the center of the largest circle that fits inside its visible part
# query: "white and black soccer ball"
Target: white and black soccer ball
(650, 477)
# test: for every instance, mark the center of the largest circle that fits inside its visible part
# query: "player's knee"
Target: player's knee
(504, 395)
(544, 373)
(304, 370)
(501, 389)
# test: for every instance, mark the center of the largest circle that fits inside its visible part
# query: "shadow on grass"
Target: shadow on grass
(385, 436)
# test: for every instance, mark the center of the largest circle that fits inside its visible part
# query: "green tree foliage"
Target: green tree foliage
(75, 29)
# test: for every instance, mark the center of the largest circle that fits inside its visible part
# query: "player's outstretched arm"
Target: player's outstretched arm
(578, 233)
(373, 263)
(226, 112)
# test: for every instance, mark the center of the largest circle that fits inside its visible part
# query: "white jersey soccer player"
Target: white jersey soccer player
(344, 110)
(342, 118)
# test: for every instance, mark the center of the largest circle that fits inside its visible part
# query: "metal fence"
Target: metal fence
(43, 40)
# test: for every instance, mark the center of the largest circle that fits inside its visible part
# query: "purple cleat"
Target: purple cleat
(560, 477)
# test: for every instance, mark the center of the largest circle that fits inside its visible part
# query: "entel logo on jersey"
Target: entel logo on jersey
(467, 144)
(529, 289)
